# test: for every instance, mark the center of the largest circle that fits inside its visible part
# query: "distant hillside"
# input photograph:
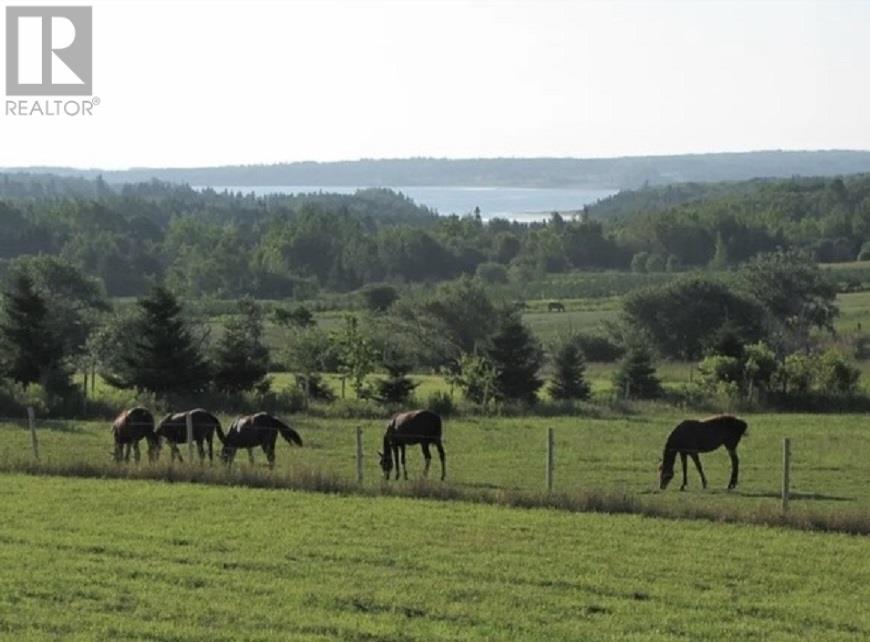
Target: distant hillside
(613, 173)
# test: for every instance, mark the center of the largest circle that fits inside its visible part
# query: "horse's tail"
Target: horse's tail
(290, 436)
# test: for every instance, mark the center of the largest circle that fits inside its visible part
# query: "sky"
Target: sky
(186, 84)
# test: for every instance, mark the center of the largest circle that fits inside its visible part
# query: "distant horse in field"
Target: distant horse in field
(173, 428)
(129, 428)
(555, 306)
(249, 432)
(406, 429)
(702, 436)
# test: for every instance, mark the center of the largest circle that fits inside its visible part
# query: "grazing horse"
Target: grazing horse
(173, 428)
(406, 429)
(555, 306)
(129, 428)
(249, 432)
(692, 437)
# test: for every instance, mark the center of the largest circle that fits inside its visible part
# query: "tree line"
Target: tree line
(229, 245)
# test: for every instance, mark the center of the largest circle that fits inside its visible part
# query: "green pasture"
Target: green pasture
(103, 560)
(830, 470)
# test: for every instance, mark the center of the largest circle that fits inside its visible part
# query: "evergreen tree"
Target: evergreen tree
(163, 356)
(568, 379)
(31, 350)
(636, 376)
(517, 357)
(241, 361)
(397, 388)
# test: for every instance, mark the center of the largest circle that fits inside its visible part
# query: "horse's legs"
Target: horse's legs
(270, 454)
(210, 439)
(119, 452)
(404, 465)
(136, 454)
(697, 461)
(251, 455)
(395, 449)
(200, 447)
(427, 457)
(175, 452)
(443, 459)
(685, 479)
(735, 466)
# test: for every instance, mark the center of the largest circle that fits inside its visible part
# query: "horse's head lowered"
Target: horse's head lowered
(386, 463)
(666, 474)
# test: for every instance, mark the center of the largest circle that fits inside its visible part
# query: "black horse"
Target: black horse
(702, 436)
(173, 428)
(555, 306)
(406, 429)
(129, 428)
(249, 432)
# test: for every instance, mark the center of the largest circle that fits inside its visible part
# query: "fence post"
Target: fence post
(190, 437)
(551, 461)
(31, 421)
(786, 463)
(359, 455)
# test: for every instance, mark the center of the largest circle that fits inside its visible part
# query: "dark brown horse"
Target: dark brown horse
(406, 429)
(249, 432)
(702, 436)
(129, 428)
(555, 306)
(173, 428)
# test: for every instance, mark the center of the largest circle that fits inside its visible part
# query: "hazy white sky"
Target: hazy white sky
(205, 83)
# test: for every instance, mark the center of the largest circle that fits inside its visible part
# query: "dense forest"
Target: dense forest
(615, 173)
(228, 245)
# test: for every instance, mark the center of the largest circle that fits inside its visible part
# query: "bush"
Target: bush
(639, 261)
(441, 403)
(317, 388)
(492, 273)
(598, 348)
(379, 298)
(835, 375)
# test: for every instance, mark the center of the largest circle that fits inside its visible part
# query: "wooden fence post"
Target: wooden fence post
(359, 455)
(31, 421)
(551, 460)
(190, 437)
(786, 464)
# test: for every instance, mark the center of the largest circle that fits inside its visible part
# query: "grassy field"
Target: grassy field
(95, 560)
(619, 455)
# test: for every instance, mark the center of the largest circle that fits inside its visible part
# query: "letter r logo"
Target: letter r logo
(49, 51)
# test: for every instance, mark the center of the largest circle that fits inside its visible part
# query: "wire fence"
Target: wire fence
(527, 456)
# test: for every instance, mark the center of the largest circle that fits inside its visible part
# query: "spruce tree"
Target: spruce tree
(517, 357)
(569, 369)
(636, 376)
(30, 349)
(163, 356)
(241, 361)
(398, 387)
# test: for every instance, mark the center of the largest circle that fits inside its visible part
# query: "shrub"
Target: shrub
(492, 273)
(598, 348)
(379, 298)
(441, 403)
(835, 375)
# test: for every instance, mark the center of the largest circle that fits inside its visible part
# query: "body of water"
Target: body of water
(516, 203)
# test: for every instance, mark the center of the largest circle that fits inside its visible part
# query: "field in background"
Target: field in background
(108, 560)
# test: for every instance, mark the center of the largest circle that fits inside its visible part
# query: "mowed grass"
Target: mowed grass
(96, 560)
(618, 456)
